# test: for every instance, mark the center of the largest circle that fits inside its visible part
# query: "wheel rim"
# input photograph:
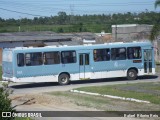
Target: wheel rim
(64, 79)
(131, 74)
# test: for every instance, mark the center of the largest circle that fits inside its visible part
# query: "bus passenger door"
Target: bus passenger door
(84, 66)
(148, 61)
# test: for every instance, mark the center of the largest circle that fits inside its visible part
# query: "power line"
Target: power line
(47, 16)
(68, 3)
(64, 9)
(49, 7)
(22, 12)
(49, 3)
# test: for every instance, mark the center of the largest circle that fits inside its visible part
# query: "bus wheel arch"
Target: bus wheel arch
(64, 78)
(132, 73)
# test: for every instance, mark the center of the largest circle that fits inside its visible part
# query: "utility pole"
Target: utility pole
(19, 28)
(72, 12)
(116, 32)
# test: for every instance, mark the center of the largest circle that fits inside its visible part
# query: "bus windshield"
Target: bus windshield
(7, 56)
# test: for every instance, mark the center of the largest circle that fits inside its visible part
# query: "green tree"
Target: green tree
(62, 17)
(155, 32)
(60, 30)
(157, 3)
(156, 28)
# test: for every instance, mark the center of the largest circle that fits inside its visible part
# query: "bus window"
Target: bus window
(101, 55)
(20, 59)
(68, 57)
(33, 59)
(51, 58)
(81, 60)
(86, 59)
(134, 52)
(118, 53)
(7, 56)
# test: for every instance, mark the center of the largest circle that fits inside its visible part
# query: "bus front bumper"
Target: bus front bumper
(7, 79)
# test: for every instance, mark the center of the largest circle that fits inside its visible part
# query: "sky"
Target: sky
(18, 9)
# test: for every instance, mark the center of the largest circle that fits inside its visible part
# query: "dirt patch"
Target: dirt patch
(48, 101)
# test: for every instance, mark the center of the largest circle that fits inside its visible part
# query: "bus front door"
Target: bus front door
(84, 66)
(148, 61)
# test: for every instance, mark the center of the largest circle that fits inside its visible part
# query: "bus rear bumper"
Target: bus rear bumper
(141, 72)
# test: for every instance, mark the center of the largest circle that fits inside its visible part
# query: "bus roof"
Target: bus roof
(87, 46)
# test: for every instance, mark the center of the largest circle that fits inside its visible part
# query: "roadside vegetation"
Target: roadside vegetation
(141, 91)
(5, 103)
(21, 118)
(155, 32)
(0, 72)
(157, 63)
(82, 100)
(76, 23)
(56, 28)
(158, 67)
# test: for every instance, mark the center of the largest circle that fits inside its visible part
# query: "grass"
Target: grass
(157, 63)
(158, 69)
(109, 104)
(23, 118)
(82, 100)
(56, 28)
(120, 90)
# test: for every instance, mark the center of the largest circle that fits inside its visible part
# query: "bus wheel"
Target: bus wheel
(131, 74)
(63, 79)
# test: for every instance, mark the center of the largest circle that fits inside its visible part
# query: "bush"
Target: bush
(0, 72)
(5, 102)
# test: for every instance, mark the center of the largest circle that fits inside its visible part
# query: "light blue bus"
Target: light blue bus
(68, 63)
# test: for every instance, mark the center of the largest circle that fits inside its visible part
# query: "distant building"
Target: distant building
(89, 41)
(131, 32)
(103, 37)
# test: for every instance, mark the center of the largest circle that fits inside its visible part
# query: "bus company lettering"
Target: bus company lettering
(116, 64)
(19, 72)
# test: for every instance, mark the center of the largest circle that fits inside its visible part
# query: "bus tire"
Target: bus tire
(131, 74)
(63, 79)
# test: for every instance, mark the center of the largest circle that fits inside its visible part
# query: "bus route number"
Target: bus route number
(19, 72)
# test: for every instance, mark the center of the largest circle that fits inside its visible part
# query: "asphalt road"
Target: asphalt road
(24, 88)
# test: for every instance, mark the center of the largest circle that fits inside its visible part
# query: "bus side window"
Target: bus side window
(20, 59)
(86, 59)
(28, 59)
(51, 58)
(101, 54)
(113, 54)
(33, 59)
(68, 57)
(118, 53)
(134, 52)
